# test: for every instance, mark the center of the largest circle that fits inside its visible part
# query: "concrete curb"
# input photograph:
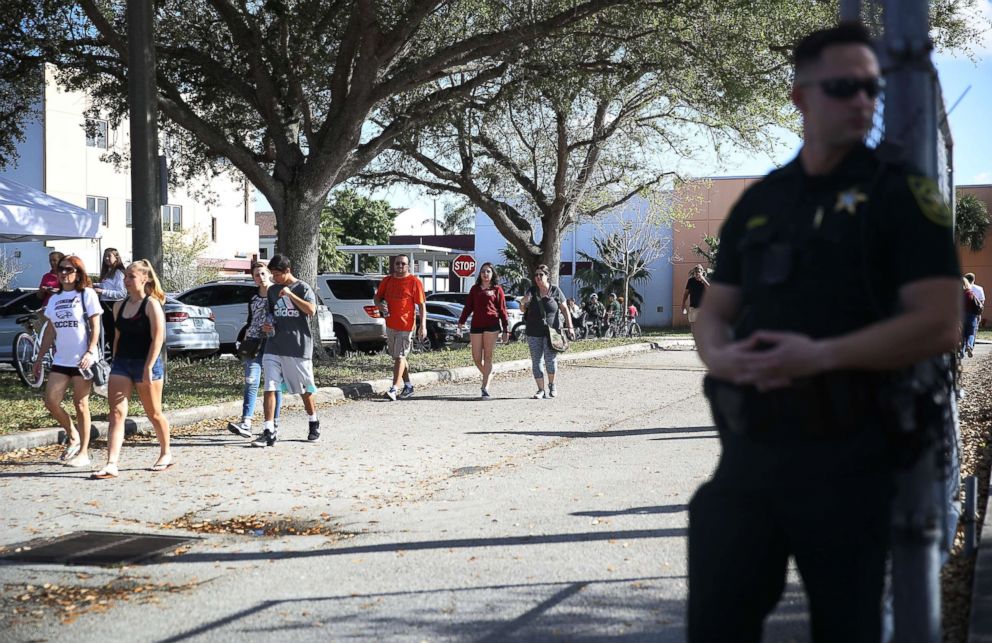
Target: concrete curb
(141, 425)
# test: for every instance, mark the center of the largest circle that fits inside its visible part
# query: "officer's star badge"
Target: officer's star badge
(849, 200)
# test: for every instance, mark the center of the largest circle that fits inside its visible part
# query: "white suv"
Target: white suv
(357, 322)
(229, 298)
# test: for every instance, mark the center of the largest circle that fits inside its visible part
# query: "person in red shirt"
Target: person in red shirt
(50, 280)
(396, 297)
(486, 304)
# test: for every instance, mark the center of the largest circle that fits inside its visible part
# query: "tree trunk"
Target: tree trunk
(298, 237)
(551, 252)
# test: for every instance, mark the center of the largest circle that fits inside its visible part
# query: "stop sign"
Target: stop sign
(463, 265)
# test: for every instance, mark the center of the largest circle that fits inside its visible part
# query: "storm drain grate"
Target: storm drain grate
(95, 548)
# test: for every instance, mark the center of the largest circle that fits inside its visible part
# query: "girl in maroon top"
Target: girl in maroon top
(486, 304)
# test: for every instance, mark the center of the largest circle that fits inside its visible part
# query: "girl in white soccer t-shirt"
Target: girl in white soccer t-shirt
(74, 329)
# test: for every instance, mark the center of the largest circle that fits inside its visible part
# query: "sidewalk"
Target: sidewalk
(182, 417)
(453, 519)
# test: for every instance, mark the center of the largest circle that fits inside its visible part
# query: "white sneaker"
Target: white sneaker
(79, 461)
(391, 394)
(239, 428)
(552, 390)
(540, 395)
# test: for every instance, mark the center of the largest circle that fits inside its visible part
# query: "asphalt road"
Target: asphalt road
(462, 520)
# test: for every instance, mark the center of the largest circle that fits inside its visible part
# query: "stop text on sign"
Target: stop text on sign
(463, 265)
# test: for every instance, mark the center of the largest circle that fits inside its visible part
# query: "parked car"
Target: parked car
(442, 326)
(189, 330)
(20, 304)
(358, 324)
(228, 299)
(513, 312)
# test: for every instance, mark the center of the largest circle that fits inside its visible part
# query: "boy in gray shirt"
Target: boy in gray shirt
(288, 358)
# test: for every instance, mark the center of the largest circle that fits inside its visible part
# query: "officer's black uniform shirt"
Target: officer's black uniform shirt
(803, 249)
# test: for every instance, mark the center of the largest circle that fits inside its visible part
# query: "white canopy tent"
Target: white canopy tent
(27, 214)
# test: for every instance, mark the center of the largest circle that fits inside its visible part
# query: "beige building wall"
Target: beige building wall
(980, 262)
(707, 203)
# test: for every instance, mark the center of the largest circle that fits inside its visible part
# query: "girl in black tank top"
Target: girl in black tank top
(136, 333)
(140, 337)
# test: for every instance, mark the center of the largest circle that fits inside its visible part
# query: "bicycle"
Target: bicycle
(625, 326)
(27, 343)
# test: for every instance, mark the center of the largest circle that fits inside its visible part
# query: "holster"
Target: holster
(834, 404)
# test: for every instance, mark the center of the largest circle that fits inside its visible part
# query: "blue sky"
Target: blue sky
(970, 128)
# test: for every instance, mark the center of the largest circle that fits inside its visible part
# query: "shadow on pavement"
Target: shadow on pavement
(582, 610)
(634, 511)
(623, 433)
(458, 543)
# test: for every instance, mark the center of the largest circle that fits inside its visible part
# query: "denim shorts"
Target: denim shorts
(134, 369)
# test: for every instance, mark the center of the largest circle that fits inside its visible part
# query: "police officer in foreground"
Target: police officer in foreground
(833, 272)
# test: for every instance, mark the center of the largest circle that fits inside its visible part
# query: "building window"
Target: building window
(263, 253)
(96, 133)
(98, 204)
(213, 228)
(172, 218)
(128, 221)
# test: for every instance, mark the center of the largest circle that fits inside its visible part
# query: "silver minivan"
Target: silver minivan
(228, 298)
(357, 322)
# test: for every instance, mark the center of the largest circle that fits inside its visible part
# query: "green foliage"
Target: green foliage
(183, 265)
(513, 272)
(971, 222)
(352, 219)
(458, 218)
(709, 252)
(601, 278)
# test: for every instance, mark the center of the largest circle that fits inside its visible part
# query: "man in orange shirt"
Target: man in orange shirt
(396, 297)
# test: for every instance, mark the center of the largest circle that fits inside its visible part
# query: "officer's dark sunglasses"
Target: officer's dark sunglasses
(843, 88)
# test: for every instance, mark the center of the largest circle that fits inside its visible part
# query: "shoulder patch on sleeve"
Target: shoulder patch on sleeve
(928, 197)
(756, 222)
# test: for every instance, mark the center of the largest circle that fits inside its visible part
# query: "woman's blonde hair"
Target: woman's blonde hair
(153, 287)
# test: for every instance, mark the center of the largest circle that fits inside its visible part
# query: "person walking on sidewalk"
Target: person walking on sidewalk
(544, 308)
(695, 288)
(801, 343)
(74, 329)
(111, 289)
(979, 293)
(288, 358)
(486, 303)
(398, 295)
(138, 345)
(252, 349)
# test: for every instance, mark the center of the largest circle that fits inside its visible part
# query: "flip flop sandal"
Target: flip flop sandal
(157, 467)
(102, 474)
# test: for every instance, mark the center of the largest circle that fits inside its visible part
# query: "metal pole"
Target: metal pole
(146, 235)
(435, 219)
(918, 507)
(970, 517)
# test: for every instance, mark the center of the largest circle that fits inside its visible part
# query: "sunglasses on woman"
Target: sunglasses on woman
(65, 270)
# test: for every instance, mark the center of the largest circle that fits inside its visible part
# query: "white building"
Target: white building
(657, 291)
(57, 156)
